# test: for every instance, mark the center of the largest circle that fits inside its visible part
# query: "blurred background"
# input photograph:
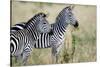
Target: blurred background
(79, 44)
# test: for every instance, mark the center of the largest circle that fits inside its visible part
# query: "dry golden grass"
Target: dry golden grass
(80, 44)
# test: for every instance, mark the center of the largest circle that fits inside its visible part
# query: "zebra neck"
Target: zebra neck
(32, 32)
(61, 28)
(31, 25)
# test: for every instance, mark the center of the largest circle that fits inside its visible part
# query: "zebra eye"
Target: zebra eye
(69, 15)
(44, 23)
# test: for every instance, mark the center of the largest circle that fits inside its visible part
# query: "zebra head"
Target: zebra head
(67, 16)
(72, 19)
(41, 23)
(43, 26)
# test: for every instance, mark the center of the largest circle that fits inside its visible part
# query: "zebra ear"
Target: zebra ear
(72, 7)
(69, 7)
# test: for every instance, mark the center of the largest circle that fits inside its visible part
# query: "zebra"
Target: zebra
(54, 41)
(44, 36)
(22, 41)
(64, 18)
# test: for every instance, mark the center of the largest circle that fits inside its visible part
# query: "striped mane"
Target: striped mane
(34, 17)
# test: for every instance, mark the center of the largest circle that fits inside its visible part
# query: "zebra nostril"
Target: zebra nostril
(76, 24)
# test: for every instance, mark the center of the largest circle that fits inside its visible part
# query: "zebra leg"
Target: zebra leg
(57, 56)
(55, 53)
(26, 54)
(54, 56)
(58, 50)
(25, 57)
(18, 58)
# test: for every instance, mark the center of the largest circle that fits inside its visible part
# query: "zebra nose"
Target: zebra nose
(51, 32)
(76, 24)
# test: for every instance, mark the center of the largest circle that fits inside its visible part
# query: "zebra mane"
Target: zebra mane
(66, 8)
(34, 17)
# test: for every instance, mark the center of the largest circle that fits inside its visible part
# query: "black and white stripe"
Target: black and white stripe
(64, 18)
(55, 40)
(22, 40)
(18, 26)
(43, 41)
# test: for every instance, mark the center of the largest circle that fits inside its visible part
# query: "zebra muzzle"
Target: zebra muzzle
(76, 24)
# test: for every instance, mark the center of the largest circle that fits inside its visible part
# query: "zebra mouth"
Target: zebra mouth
(76, 24)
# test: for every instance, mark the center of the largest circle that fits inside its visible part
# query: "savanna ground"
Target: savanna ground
(79, 44)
